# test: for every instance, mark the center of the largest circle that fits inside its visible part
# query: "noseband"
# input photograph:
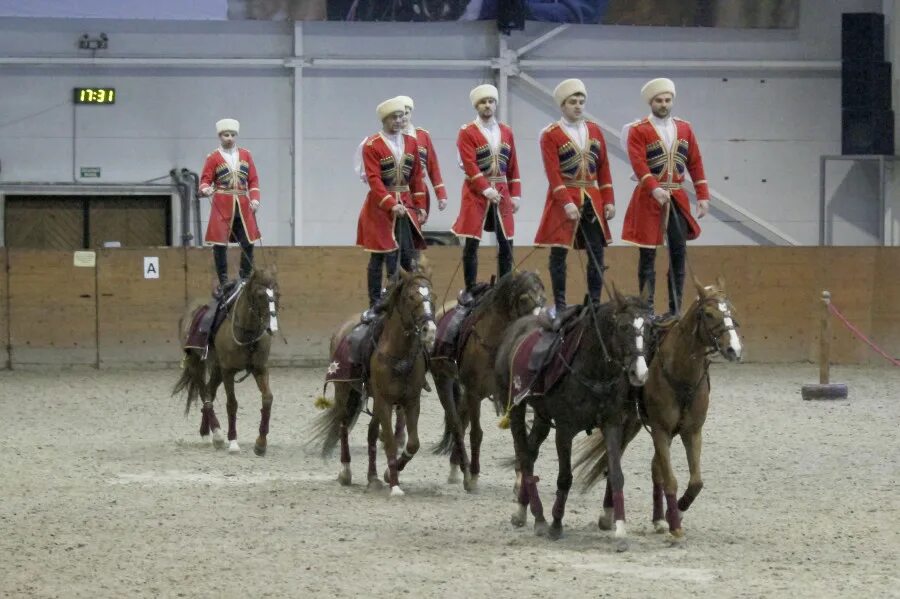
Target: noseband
(713, 334)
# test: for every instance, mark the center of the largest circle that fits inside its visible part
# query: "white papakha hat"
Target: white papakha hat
(227, 125)
(483, 91)
(567, 88)
(389, 107)
(407, 102)
(654, 87)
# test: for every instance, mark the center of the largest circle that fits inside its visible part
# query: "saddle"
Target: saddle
(207, 319)
(350, 360)
(455, 326)
(542, 357)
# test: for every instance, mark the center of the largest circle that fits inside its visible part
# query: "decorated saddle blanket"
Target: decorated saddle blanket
(455, 326)
(350, 360)
(207, 319)
(542, 357)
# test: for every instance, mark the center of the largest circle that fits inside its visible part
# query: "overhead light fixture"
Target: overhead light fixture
(86, 42)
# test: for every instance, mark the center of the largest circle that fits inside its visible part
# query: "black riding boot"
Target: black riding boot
(220, 259)
(246, 261)
(676, 276)
(373, 277)
(558, 277)
(504, 258)
(647, 273)
(470, 262)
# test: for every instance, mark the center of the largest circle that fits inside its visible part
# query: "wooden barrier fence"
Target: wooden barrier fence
(57, 313)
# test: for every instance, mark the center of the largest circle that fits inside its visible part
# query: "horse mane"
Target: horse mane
(506, 291)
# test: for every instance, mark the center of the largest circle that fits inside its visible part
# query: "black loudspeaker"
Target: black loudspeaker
(866, 131)
(511, 15)
(862, 36)
(866, 85)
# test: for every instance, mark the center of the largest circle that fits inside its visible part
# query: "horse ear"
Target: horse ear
(720, 282)
(616, 297)
(700, 289)
(403, 274)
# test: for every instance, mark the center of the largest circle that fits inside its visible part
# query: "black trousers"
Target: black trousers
(504, 250)
(591, 236)
(676, 232)
(220, 252)
(405, 255)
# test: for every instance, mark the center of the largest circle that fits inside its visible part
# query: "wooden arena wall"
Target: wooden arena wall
(57, 313)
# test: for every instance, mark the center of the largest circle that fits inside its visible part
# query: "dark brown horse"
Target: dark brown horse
(463, 384)
(591, 394)
(241, 343)
(396, 376)
(675, 401)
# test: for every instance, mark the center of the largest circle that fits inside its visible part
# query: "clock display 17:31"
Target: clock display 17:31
(95, 95)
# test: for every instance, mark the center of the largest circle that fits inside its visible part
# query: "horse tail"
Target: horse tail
(192, 379)
(589, 463)
(326, 428)
(445, 445)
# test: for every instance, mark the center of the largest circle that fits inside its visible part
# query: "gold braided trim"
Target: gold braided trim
(438, 185)
(645, 176)
(700, 182)
(497, 179)
(557, 188)
(669, 186)
(233, 192)
(581, 184)
(398, 189)
(385, 199)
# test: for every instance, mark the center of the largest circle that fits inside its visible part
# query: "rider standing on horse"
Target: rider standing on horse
(389, 222)
(580, 195)
(491, 190)
(229, 177)
(661, 148)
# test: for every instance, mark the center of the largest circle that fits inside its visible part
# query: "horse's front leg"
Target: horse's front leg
(448, 393)
(262, 381)
(692, 444)
(563, 481)
(476, 434)
(662, 442)
(215, 379)
(382, 413)
(412, 426)
(232, 406)
(616, 479)
(659, 518)
(400, 427)
(372, 447)
(527, 444)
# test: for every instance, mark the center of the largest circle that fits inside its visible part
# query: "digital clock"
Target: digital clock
(95, 95)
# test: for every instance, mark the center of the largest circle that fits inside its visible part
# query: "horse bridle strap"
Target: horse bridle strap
(713, 335)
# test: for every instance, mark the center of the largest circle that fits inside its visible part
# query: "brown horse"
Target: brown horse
(462, 384)
(396, 369)
(591, 394)
(675, 400)
(241, 343)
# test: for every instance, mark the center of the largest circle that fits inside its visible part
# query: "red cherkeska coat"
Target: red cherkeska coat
(656, 166)
(390, 184)
(429, 163)
(484, 169)
(232, 189)
(575, 175)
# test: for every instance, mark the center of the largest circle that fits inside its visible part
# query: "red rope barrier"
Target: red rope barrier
(861, 336)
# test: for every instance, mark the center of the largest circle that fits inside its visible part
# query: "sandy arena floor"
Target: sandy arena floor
(106, 491)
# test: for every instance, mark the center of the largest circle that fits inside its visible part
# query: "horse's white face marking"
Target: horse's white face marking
(430, 335)
(536, 311)
(640, 370)
(273, 318)
(426, 305)
(734, 341)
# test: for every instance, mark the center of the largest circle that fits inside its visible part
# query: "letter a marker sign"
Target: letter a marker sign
(151, 267)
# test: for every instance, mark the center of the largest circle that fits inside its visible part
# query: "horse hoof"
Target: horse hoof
(396, 491)
(605, 521)
(555, 532)
(471, 485)
(374, 484)
(677, 535)
(621, 545)
(660, 527)
(204, 439)
(218, 439)
(453, 478)
(540, 528)
(518, 517)
(345, 476)
(620, 533)
(259, 450)
(233, 446)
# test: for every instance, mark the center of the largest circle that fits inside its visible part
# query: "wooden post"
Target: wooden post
(825, 389)
(825, 340)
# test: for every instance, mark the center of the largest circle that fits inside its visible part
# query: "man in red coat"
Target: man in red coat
(229, 177)
(395, 205)
(580, 195)
(427, 156)
(491, 190)
(662, 149)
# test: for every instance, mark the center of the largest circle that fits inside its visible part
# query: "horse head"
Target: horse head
(631, 333)
(716, 325)
(414, 300)
(263, 296)
(516, 294)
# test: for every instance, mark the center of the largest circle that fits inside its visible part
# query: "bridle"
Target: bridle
(257, 316)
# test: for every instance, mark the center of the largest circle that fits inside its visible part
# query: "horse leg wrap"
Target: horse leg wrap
(672, 515)
(393, 472)
(345, 445)
(405, 458)
(618, 498)
(373, 452)
(232, 426)
(657, 502)
(523, 493)
(264, 414)
(537, 508)
(211, 414)
(475, 463)
(690, 494)
(559, 506)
